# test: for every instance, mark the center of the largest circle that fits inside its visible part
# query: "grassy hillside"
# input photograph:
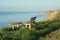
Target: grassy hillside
(58, 16)
(54, 35)
(47, 30)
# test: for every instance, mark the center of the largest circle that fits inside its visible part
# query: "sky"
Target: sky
(29, 5)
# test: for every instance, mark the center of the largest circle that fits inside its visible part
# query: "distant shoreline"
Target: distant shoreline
(52, 14)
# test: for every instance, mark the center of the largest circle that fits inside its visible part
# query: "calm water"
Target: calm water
(8, 17)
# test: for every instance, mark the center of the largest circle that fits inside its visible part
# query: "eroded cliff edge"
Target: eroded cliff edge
(52, 15)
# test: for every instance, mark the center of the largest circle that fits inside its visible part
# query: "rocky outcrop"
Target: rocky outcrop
(52, 15)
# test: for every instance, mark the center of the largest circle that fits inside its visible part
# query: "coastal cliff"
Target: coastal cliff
(52, 15)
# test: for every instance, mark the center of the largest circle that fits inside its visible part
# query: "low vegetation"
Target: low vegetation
(38, 31)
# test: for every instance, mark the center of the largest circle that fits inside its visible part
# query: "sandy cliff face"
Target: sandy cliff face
(52, 15)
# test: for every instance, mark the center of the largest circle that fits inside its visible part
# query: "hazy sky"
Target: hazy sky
(29, 5)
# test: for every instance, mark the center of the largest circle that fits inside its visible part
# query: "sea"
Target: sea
(8, 17)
